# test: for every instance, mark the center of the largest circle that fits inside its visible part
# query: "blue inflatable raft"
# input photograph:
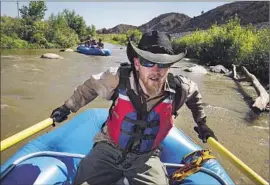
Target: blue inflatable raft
(53, 158)
(93, 51)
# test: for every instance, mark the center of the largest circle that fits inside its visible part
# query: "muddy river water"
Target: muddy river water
(31, 87)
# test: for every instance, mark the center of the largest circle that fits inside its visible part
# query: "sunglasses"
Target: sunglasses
(147, 63)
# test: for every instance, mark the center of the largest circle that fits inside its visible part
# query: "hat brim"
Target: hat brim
(157, 57)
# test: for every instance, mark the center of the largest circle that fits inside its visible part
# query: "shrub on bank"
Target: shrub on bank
(33, 32)
(230, 44)
(8, 42)
(121, 39)
(112, 38)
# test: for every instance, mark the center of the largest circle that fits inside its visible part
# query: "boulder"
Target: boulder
(69, 50)
(219, 69)
(51, 56)
(196, 69)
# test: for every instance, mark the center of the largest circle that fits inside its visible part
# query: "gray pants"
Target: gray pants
(99, 167)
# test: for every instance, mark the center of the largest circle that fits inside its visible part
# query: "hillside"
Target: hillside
(120, 28)
(254, 12)
(165, 22)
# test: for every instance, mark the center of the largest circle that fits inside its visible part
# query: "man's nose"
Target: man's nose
(155, 68)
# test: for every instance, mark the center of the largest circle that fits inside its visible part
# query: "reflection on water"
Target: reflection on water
(31, 87)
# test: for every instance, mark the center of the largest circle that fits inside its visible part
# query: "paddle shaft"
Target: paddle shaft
(236, 162)
(25, 133)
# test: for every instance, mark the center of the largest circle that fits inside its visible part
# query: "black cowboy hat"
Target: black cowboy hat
(154, 46)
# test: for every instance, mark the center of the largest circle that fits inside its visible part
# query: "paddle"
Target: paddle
(236, 162)
(25, 133)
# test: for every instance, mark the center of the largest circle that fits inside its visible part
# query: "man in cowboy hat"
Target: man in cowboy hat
(145, 96)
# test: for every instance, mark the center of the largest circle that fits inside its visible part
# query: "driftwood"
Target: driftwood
(234, 74)
(261, 102)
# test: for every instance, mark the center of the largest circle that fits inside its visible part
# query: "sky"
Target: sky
(110, 14)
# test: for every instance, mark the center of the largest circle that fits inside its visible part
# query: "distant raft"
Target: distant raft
(93, 51)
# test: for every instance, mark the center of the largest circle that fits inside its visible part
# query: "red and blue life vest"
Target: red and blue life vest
(130, 125)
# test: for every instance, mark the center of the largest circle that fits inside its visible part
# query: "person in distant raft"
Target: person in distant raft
(88, 42)
(100, 44)
(93, 43)
(145, 97)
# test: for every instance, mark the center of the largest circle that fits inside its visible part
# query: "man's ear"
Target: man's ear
(136, 63)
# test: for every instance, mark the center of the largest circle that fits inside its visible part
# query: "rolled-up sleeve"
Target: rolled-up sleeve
(102, 84)
(194, 100)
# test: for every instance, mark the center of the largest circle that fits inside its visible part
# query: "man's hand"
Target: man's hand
(60, 114)
(204, 131)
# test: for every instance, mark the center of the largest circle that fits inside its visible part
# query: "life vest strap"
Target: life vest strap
(136, 101)
(142, 123)
(124, 83)
(139, 136)
(148, 137)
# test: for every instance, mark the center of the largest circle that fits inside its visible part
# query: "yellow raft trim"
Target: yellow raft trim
(10, 141)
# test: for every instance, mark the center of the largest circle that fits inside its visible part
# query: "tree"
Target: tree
(30, 15)
(62, 30)
(75, 22)
(91, 30)
(35, 11)
(59, 33)
(10, 26)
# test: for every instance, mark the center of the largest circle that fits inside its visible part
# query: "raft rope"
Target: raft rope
(202, 169)
(192, 164)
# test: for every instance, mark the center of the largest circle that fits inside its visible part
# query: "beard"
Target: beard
(153, 83)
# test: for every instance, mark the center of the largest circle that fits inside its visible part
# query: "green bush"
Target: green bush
(30, 31)
(121, 38)
(135, 35)
(8, 42)
(229, 44)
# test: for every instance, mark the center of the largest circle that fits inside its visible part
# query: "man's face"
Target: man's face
(153, 78)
